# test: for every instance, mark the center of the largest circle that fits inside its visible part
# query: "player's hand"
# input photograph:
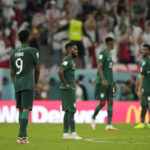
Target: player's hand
(68, 86)
(115, 89)
(105, 83)
(139, 93)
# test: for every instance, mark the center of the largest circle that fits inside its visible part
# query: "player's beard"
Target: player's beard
(74, 55)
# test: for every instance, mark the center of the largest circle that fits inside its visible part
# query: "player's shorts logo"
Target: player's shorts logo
(74, 105)
(102, 95)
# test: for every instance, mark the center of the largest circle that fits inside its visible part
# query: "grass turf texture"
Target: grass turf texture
(48, 137)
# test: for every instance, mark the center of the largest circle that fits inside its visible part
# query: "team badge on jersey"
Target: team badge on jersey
(65, 63)
(100, 56)
(102, 95)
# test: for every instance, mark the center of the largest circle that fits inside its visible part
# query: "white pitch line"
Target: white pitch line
(122, 137)
(93, 140)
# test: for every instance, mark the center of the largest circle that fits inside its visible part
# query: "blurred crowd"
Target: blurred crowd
(127, 21)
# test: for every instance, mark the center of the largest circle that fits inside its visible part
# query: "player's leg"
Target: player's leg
(110, 108)
(26, 103)
(148, 100)
(72, 110)
(23, 124)
(143, 113)
(66, 123)
(66, 135)
(65, 107)
(100, 94)
(18, 105)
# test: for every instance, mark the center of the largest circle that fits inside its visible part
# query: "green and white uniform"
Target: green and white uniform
(145, 71)
(22, 61)
(68, 95)
(101, 92)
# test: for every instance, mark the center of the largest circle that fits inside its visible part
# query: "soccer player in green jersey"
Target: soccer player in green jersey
(143, 85)
(67, 76)
(105, 84)
(24, 61)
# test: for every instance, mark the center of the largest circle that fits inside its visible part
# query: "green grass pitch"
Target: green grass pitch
(48, 137)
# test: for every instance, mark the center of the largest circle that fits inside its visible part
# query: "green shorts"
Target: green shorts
(24, 99)
(146, 94)
(102, 93)
(68, 100)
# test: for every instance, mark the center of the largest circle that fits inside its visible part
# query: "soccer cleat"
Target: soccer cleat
(26, 140)
(148, 125)
(110, 127)
(93, 125)
(139, 126)
(20, 141)
(75, 136)
(67, 136)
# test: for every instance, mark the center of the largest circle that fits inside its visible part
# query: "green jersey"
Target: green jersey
(145, 71)
(106, 59)
(22, 61)
(69, 72)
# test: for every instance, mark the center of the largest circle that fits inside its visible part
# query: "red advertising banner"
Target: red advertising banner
(51, 112)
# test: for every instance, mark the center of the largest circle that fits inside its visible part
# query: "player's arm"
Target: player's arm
(36, 62)
(141, 77)
(36, 72)
(137, 85)
(115, 87)
(61, 77)
(104, 81)
(140, 85)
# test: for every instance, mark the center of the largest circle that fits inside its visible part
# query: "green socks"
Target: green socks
(66, 122)
(20, 114)
(98, 108)
(23, 124)
(143, 112)
(71, 120)
(109, 111)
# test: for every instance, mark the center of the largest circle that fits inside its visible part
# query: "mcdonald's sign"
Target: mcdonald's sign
(134, 115)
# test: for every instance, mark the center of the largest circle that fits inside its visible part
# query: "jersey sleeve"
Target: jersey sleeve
(143, 68)
(35, 56)
(101, 57)
(65, 64)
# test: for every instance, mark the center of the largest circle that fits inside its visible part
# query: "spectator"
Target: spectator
(80, 82)
(75, 29)
(42, 92)
(128, 89)
(79, 92)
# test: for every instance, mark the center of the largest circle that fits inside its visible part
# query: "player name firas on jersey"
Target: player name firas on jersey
(19, 54)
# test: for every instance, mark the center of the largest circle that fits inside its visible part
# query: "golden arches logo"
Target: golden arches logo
(137, 114)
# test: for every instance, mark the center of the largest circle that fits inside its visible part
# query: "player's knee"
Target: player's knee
(102, 103)
(25, 110)
(143, 98)
(110, 102)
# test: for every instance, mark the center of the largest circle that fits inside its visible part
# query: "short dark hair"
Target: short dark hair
(69, 45)
(147, 46)
(24, 35)
(108, 39)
